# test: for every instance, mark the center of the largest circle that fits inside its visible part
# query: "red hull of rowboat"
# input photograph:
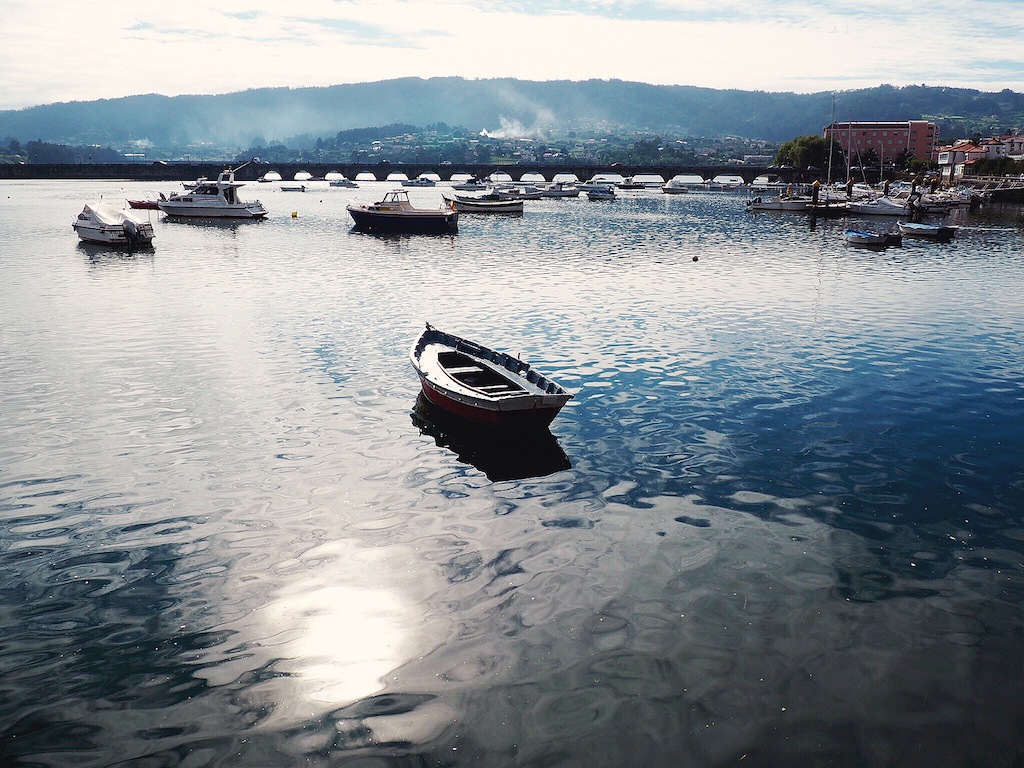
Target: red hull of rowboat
(534, 417)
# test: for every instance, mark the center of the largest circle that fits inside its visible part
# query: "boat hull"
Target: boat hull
(432, 223)
(525, 417)
(189, 210)
(520, 454)
(940, 233)
(876, 239)
(109, 235)
(469, 205)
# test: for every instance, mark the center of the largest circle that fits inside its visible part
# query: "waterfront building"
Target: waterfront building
(888, 139)
(956, 159)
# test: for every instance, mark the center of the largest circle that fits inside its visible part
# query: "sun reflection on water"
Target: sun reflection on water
(345, 628)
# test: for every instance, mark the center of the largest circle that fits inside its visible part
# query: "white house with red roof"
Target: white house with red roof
(955, 159)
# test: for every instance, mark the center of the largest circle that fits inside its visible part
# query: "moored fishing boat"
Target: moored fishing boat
(519, 192)
(481, 385)
(394, 213)
(779, 203)
(560, 189)
(859, 237)
(940, 232)
(601, 193)
(340, 180)
(880, 206)
(420, 181)
(489, 203)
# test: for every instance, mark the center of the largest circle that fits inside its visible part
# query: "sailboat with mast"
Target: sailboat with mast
(827, 205)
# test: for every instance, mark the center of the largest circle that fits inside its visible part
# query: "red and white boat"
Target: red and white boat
(481, 385)
(151, 202)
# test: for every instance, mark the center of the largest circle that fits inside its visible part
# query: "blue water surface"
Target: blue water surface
(780, 523)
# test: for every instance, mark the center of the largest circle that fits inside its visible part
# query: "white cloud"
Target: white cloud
(195, 46)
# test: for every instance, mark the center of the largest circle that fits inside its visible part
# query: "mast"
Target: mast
(831, 140)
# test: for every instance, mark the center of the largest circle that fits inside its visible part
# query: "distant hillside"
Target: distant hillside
(517, 107)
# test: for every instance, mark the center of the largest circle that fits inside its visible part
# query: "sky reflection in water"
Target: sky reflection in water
(779, 521)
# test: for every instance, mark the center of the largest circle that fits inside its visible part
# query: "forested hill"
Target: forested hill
(514, 107)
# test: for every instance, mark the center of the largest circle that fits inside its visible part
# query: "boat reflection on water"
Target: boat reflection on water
(501, 454)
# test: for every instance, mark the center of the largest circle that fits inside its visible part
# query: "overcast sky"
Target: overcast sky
(58, 50)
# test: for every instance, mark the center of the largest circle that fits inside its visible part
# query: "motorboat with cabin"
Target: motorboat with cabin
(214, 199)
(395, 213)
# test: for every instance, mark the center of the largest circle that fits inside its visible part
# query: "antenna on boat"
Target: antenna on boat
(247, 162)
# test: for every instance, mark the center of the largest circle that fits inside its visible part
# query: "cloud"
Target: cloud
(195, 46)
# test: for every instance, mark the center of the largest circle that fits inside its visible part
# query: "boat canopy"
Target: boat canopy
(105, 213)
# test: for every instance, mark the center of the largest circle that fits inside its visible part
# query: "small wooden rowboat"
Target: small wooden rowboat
(858, 237)
(481, 385)
(941, 232)
(489, 203)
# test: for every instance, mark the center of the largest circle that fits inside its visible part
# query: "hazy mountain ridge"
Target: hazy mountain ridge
(256, 116)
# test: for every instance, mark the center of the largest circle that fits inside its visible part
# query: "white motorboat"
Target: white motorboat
(725, 182)
(103, 223)
(560, 189)
(880, 206)
(519, 192)
(419, 181)
(600, 182)
(214, 199)
(601, 193)
(683, 182)
(341, 181)
(779, 203)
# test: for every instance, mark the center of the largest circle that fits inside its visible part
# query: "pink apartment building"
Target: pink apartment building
(888, 139)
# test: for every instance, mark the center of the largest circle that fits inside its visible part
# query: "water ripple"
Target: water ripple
(790, 484)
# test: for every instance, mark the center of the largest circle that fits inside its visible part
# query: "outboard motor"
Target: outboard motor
(131, 233)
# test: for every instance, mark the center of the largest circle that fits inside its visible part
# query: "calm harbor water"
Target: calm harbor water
(781, 523)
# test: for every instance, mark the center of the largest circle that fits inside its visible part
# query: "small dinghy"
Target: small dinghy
(941, 232)
(881, 239)
(481, 385)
